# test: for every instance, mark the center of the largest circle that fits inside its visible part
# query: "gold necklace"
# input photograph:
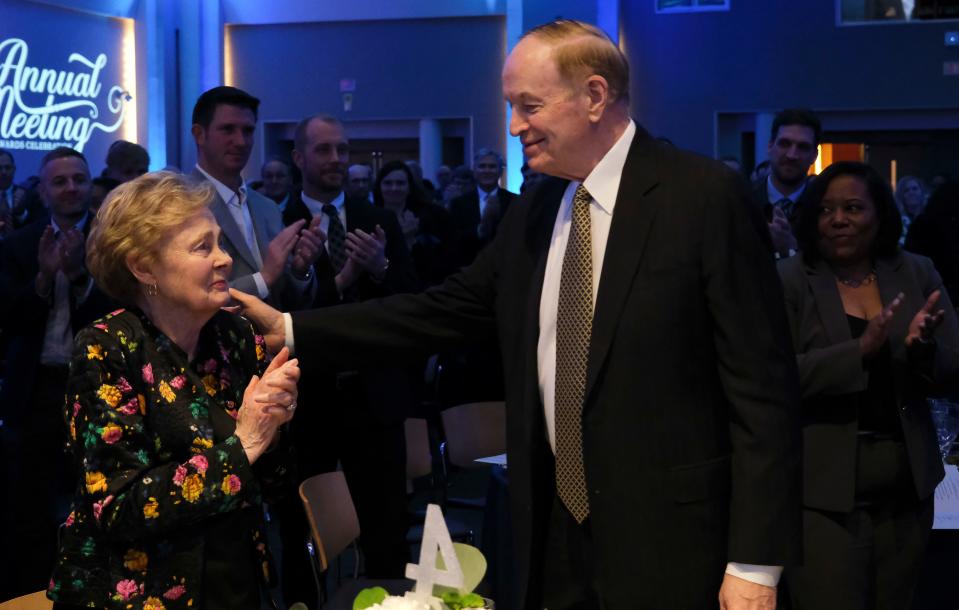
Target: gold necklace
(869, 279)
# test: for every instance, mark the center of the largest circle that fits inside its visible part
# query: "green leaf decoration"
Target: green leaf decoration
(473, 565)
(456, 601)
(369, 597)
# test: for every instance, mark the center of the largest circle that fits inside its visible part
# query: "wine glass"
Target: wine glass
(945, 416)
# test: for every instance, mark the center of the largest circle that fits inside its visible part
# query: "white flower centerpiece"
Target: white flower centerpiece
(445, 576)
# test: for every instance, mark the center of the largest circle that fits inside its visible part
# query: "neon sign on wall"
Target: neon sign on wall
(42, 108)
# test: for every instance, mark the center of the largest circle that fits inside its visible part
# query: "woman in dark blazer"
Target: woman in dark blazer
(426, 226)
(875, 335)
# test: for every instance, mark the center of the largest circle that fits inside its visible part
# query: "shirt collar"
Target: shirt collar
(603, 182)
(775, 196)
(226, 193)
(316, 206)
(78, 226)
(483, 194)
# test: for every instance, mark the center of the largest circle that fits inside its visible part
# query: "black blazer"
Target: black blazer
(830, 369)
(388, 389)
(464, 211)
(691, 415)
(24, 316)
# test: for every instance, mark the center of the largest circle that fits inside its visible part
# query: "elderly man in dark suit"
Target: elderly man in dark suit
(224, 119)
(47, 296)
(651, 389)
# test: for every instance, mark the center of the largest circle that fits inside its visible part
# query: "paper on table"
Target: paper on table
(498, 460)
(947, 501)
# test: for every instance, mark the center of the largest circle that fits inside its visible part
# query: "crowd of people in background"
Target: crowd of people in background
(314, 230)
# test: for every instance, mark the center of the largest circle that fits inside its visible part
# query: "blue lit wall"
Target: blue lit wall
(404, 69)
(764, 55)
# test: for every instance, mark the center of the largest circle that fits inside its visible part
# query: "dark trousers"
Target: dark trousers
(337, 428)
(568, 578)
(38, 485)
(869, 558)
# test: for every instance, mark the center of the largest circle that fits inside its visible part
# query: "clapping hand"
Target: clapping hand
(926, 321)
(48, 261)
(268, 403)
(308, 247)
(781, 233)
(877, 330)
(279, 251)
(368, 250)
(71, 253)
(410, 225)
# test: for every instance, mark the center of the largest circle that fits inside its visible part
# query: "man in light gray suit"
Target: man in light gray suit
(270, 261)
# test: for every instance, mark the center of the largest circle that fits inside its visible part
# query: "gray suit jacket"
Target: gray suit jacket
(288, 292)
(831, 369)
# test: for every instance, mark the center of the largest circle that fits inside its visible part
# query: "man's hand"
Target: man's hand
(267, 320)
(308, 247)
(48, 261)
(347, 275)
(740, 594)
(781, 233)
(279, 251)
(368, 250)
(72, 252)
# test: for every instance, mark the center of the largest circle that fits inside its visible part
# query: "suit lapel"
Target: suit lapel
(259, 223)
(632, 219)
(891, 283)
(229, 227)
(832, 314)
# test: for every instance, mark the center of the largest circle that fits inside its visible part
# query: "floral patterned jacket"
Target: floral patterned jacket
(141, 422)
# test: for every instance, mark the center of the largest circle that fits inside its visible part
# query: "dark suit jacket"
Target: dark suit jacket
(24, 316)
(691, 416)
(387, 389)
(830, 369)
(465, 214)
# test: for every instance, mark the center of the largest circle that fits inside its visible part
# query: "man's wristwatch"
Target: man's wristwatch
(381, 275)
(306, 275)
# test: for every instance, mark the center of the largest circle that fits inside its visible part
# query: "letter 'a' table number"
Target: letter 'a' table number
(435, 537)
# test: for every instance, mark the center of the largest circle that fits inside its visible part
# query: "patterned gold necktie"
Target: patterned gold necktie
(574, 324)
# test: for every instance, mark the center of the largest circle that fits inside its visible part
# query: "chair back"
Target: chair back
(474, 430)
(31, 601)
(329, 509)
(419, 460)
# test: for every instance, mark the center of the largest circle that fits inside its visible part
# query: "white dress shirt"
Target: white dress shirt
(316, 209)
(236, 204)
(774, 196)
(484, 197)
